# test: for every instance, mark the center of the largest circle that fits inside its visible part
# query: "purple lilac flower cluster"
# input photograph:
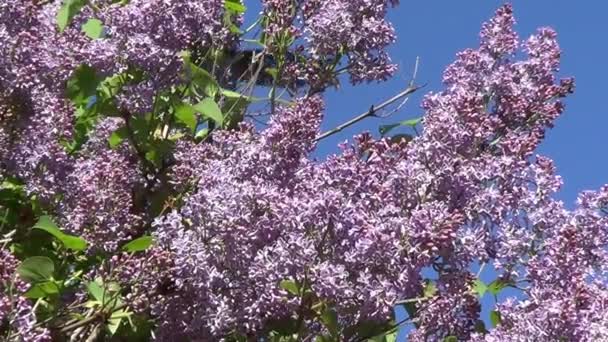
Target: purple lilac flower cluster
(360, 226)
(255, 210)
(327, 30)
(567, 296)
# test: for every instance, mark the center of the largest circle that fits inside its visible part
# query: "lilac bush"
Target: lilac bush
(141, 200)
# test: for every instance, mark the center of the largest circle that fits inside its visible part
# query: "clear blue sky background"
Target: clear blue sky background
(436, 30)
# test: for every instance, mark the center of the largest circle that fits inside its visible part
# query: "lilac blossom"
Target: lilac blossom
(326, 31)
(252, 209)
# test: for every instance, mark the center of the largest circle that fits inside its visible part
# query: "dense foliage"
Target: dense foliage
(146, 193)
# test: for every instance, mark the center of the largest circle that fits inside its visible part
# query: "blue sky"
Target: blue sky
(436, 30)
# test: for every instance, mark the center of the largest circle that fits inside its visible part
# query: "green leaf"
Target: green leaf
(200, 79)
(234, 106)
(384, 129)
(232, 94)
(430, 289)
(211, 110)
(95, 290)
(36, 269)
(234, 6)
(111, 85)
(139, 244)
(11, 184)
(69, 9)
(323, 338)
(480, 287)
(42, 290)
(495, 318)
(392, 337)
(116, 319)
(186, 114)
(69, 241)
(117, 137)
(103, 293)
(480, 327)
(93, 28)
(114, 324)
(450, 339)
(389, 336)
(411, 122)
(290, 286)
(371, 329)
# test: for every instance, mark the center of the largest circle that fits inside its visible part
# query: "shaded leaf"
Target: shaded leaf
(234, 106)
(480, 327)
(495, 318)
(199, 78)
(116, 320)
(397, 138)
(324, 338)
(371, 329)
(497, 285)
(82, 85)
(329, 317)
(285, 326)
(411, 309)
(36, 269)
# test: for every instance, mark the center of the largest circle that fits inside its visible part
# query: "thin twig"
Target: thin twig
(483, 265)
(374, 109)
(93, 318)
(371, 112)
(411, 300)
